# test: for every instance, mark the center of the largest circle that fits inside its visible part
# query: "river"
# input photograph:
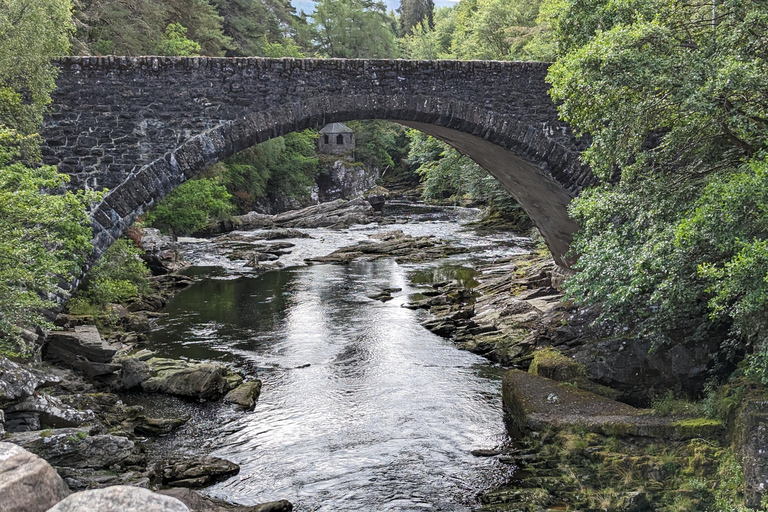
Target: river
(361, 407)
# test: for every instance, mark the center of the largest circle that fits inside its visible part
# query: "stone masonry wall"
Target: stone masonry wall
(140, 126)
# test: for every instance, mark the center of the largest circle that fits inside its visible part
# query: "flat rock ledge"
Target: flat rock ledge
(338, 214)
(537, 403)
(391, 244)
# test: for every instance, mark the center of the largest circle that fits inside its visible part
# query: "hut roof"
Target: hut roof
(336, 128)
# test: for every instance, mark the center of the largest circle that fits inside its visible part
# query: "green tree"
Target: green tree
(413, 12)
(45, 239)
(176, 43)
(30, 34)
(106, 27)
(354, 29)
(498, 29)
(286, 165)
(119, 276)
(431, 43)
(191, 207)
(265, 28)
(675, 102)
(138, 27)
(380, 144)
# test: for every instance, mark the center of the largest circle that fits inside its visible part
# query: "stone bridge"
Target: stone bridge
(141, 126)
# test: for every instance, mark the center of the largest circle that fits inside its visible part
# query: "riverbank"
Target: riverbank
(505, 309)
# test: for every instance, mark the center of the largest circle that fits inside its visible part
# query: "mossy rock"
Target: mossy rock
(551, 364)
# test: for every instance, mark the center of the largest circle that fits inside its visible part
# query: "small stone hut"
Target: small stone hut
(336, 138)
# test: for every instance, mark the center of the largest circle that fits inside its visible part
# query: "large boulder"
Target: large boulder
(74, 448)
(120, 498)
(160, 252)
(632, 367)
(209, 381)
(339, 214)
(245, 395)
(344, 180)
(82, 348)
(27, 482)
(84, 340)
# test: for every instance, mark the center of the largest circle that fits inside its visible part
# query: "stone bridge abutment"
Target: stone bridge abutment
(141, 126)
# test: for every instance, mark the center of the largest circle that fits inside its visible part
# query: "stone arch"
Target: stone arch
(532, 164)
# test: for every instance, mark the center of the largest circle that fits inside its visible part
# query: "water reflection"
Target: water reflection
(363, 409)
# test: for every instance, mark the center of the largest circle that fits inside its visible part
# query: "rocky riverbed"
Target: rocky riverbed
(575, 397)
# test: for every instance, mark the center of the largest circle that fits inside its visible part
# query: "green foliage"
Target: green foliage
(119, 276)
(730, 484)
(45, 238)
(380, 144)
(354, 29)
(281, 165)
(415, 12)
(482, 29)
(286, 48)
(448, 175)
(265, 28)
(674, 240)
(175, 42)
(429, 43)
(140, 27)
(191, 207)
(30, 34)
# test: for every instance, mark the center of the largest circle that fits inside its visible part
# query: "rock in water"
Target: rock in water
(245, 395)
(120, 498)
(195, 472)
(27, 482)
(208, 381)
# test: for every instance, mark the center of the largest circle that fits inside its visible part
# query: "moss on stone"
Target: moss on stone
(551, 364)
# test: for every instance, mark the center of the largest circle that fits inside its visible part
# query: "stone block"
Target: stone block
(27, 482)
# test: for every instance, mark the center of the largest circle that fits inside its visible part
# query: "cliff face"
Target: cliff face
(337, 179)
(344, 180)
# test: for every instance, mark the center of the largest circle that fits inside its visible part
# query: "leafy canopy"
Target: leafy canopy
(190, 207)
(675, 100)
(175, 42)
(30, 34)
(481, 29)
(45, 239)
(354, 29)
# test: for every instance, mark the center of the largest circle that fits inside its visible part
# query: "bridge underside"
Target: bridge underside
(543, 198)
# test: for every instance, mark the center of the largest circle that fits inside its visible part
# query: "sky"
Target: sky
(308, 5)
